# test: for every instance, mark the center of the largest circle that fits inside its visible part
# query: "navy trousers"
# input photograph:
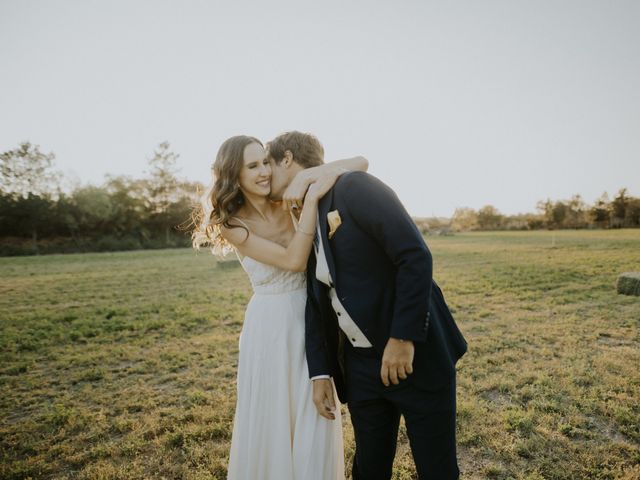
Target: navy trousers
(375, 411)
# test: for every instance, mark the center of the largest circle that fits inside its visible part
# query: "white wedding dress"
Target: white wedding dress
(277, 432)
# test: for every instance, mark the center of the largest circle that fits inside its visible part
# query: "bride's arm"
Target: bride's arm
(328, 172)
(357, 163)
(294, 256)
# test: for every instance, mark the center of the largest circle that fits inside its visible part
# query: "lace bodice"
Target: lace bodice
(267, 279)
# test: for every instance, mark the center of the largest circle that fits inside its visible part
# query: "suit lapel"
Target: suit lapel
(323, 208)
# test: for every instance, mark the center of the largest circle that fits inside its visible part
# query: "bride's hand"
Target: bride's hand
(295, 192)
(319, 188)
(325, 176)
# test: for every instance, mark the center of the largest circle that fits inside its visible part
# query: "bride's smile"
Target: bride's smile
(255, 174)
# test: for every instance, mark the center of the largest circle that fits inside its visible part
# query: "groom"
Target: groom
(376, 322)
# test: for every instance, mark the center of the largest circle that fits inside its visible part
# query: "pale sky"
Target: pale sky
(454, 103)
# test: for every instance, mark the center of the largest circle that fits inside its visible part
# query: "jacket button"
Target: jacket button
(338, 313)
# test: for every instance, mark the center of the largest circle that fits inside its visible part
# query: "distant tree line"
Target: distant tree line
(622, 211)
(37, 216)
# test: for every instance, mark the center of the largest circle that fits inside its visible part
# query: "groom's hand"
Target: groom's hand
(323, 398)
(397, 361)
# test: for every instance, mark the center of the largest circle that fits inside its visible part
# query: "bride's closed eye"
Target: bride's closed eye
(255, 164)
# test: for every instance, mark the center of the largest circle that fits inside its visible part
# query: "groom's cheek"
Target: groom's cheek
(275, 194)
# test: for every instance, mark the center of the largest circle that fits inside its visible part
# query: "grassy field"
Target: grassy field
(122, 365)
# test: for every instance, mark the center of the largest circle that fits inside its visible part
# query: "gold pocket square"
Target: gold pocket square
(335, 221)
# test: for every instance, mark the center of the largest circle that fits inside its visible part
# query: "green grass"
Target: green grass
(122, 365)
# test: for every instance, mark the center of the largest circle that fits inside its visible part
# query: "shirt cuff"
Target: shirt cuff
(318, 377)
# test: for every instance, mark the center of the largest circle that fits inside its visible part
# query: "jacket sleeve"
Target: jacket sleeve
(376, 209)
(315, 345)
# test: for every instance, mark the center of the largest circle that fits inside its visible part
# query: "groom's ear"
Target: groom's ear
(287, 158)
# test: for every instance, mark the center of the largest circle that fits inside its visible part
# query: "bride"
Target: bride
(278, 433)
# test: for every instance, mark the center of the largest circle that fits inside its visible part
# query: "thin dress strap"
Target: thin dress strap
(240, 257)
(243, 224)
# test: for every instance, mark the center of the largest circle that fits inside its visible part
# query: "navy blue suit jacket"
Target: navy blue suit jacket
(382, 273)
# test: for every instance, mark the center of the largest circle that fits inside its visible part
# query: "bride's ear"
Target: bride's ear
(287, 159)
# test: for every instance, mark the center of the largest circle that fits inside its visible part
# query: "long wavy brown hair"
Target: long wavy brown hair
(223, 198)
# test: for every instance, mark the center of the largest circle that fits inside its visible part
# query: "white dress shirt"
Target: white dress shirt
(346, 323)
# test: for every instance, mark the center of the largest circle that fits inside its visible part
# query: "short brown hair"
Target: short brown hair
(306, 149)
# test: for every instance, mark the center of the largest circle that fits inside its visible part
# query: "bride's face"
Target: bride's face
(255, 176)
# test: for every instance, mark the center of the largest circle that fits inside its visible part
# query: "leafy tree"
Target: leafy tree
(489, 218)
(26, 170)
(65, 218)
(559, 213)
(600, 213)
(618, 208)
(546, 210)
(563, 213)
(632, 213)
(576, 213)
(128, 198)
(32, 214)
(534, 222)
(162, 185)
(464, 218)
(94, 209)
(28, 178)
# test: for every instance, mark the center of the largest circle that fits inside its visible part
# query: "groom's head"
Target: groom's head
(289, 153)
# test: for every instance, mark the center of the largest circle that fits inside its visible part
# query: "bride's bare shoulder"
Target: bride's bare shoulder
(236, 232)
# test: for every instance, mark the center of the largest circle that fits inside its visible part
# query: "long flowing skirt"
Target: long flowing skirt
(278, 433)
